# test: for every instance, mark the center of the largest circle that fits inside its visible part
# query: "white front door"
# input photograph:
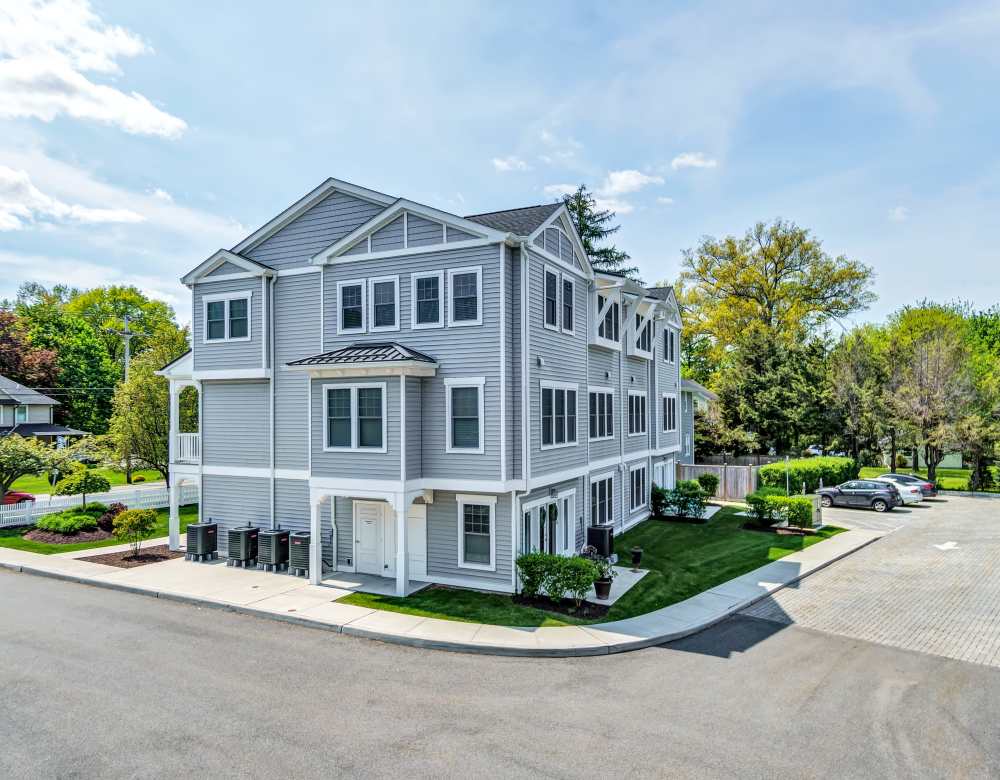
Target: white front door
(368, 525)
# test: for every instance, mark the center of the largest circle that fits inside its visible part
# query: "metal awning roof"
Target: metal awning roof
(43, 429)
(367, 355)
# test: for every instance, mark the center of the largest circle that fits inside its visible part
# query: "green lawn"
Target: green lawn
(948, 479)
(683, 560)
(14, 537)
(41, 484)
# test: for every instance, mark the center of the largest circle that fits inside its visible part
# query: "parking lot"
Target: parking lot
(931, 585)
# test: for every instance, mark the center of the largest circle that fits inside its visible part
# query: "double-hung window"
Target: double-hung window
(426, 291)
(669, 345)
(477, 532)
(636, 413)
(355, 417)
(227, 317)
(383, 292)
(568, 301)
(559, 291)
(465, 303)
(644, 335)
(601, 409)
(638, 493)
(669, 412)
(464, 414)
(602, 500)
(609, 324)
(351, 298)
(558, 414)
(551, 299)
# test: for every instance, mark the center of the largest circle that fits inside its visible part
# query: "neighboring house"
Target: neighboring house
(27, 412)
(431, 395)
(694, 396)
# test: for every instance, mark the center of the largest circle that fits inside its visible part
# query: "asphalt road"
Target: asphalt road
(96, 683)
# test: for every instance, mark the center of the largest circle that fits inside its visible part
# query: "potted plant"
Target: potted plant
(636, 557)
(605, 574)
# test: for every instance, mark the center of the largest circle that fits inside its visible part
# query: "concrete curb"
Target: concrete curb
(434, 644)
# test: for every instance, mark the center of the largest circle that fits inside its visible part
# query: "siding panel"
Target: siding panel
(235, 430)
(235, 501)
(442, 540)
(214, 356)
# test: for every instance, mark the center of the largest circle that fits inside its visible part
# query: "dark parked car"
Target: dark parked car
(862, 494)
(929, 489)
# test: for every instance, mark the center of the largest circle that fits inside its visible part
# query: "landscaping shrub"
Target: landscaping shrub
(556, 575)
(68, 522)
(709, 483)
(133, 525)
(82, 481)
(106, 521)
(658, 501)
(576, 575)
(138, 478)
(831, 470)
(766, 508)
(96, 507)
(685, 500)
(797, 510)
(532, 570)
(762, 510)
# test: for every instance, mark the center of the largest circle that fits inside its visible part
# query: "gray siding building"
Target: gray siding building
(431, 395)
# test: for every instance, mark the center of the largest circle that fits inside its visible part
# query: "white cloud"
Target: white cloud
(622, 182)
(899, 214)
(614, 204)
(162, 195)
(45, 50)
(510, 163)
(559, 151)
(665, 201)
(21, 202)
(692, 160)
(558, 190)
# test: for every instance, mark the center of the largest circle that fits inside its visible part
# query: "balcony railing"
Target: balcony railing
(188, 448)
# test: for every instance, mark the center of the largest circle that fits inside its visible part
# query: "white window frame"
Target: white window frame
(450, 383)
(603, 476)
(607, 391)
(671, 356)
(439, 275)
(371, 297)
(452, 272)
(227, 297)
(354, 387)
(565, 522)
(687, 443)
(363, 284)
(491, 501)
(571, 330)
(17, 409)
(631, 487)
(677, 413)
(564, 386)
(636, 333)
(614, 296)
(548, 271)
(645, 417)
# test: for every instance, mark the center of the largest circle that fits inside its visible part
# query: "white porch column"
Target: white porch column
(316, 541)
(174, 420)
(400, 505)
(174, 520)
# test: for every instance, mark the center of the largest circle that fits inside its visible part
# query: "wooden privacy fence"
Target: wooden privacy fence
(734, 481)
(158, 497)
(738, 460)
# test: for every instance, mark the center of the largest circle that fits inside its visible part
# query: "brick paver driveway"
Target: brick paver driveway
(932, 585)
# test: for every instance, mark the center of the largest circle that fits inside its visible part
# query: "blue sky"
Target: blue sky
(136, 139)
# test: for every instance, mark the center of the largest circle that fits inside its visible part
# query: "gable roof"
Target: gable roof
(222, 257)
(663, 293)
(521, 222)
(12, 393)
(690, 386)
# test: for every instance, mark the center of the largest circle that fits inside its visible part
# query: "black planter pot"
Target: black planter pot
(603, 588)
(636, 557)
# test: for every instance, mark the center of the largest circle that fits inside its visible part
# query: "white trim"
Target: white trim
(631, 522)
(572, 235)
(503, 363)
(298, 271)
(632, 506)
(547, 257)
(627, 409)
(362, 283)
(606, 391)
(476, 583)
(674, 338)
(546, 272)
(200, 272)
(571, 331)
(450, 383)
(353, 388)
(611, 297)
(232, 373)
(229, 297)
(543, 385)
(677, 413)
(605, 476)
(452, 272)
(322, 308)
(402, 428)
(462, 500)
(348, 370)
(416, 250)
(372, 281)
(299, 474)
(439, 275)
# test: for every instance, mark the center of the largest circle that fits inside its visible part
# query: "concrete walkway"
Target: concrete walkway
(282, 597)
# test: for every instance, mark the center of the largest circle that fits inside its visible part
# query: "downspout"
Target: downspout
(525, 412)
(623, 395)
(271, 380)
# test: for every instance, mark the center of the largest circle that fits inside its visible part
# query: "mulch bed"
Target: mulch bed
(147, 555)
(52, 537)
(587, 611)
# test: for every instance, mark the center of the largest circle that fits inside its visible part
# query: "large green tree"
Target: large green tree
(21, 360)
(596, 226)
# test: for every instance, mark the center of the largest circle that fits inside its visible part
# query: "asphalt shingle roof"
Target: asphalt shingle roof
(521, 222)
(389, 352)
(663, 293)
(11, 390)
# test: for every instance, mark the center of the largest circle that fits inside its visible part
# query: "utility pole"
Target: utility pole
(127, 333)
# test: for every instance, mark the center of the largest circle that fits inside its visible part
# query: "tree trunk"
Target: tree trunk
(892, 449)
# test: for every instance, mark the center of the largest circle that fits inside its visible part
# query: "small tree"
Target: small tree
(21, 457)
(81, 482)
(134, 525)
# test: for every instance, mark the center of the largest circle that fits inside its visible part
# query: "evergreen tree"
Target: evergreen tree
(594, 226)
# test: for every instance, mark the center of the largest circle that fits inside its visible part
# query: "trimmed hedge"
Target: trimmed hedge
(709, 483)
(766, 508)
(71, 521)
(831, 470)
(556, 575)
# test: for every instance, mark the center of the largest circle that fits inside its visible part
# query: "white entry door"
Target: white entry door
(368, 523)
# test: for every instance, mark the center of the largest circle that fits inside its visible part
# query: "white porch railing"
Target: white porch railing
(188, 448)
(157, 497)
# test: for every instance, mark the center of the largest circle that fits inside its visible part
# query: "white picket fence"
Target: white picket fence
(27, 512)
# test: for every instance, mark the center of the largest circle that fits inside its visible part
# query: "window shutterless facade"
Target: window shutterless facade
(464, 414)
(355, 417)
(638, 492)
(669, 412)
(477, 532)
(643, 335)
(351, 306)
(227, 317)
(608, 324)
(558, 291)
(20, 415)
(636, 413)
(551, 299)
(383, 292)
(558, 402)
(602, 500)
(427, 300)
(669, 345)
(568, 304)
(601, 405)
(549, 525)
(465, 303)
